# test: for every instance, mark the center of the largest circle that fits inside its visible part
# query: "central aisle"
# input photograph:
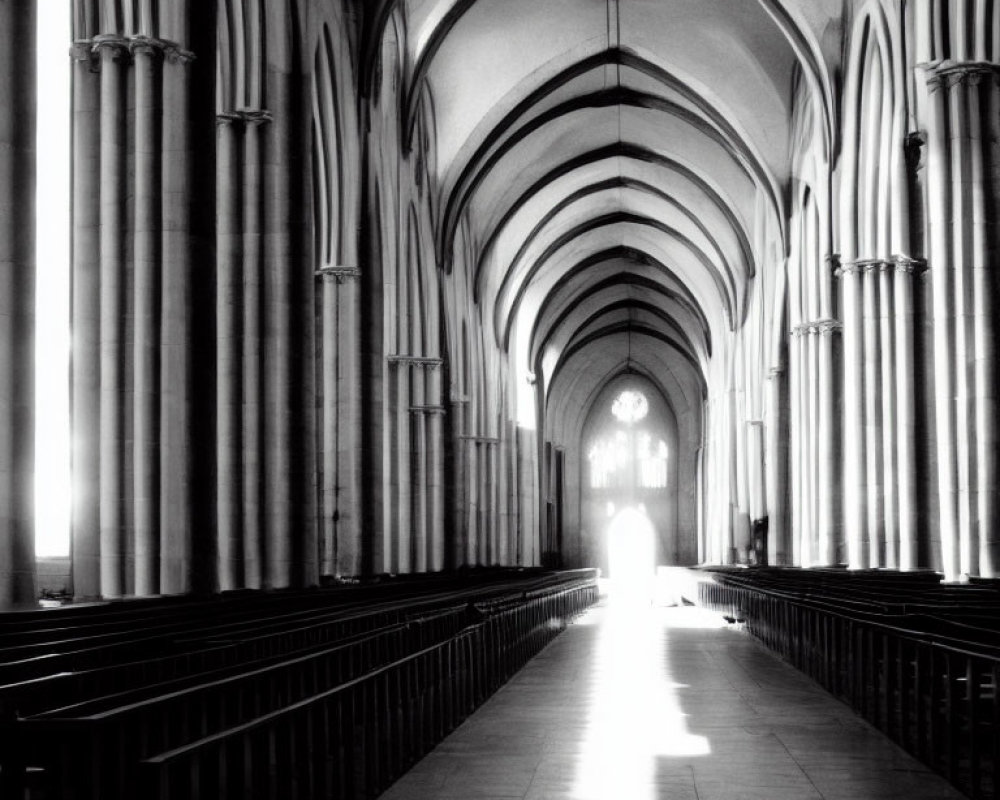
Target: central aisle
(637, 704)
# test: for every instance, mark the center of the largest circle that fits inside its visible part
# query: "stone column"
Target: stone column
(887, 412)
(777, 474)
(855, 485)
(114, 56)
(228, 352)
(435, 472)
(874, 529)
(905, 411)
(348, 420)
(176, 342)
(277, 336)
(985, 315)
(829, 544)
(146, 337)
(964, 353)
(939, 234)
(419, 493)
(328, 384)
(85, 364)
(17, 301)
(253, 354)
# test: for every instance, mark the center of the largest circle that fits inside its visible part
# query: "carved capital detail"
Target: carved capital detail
(147, 45)
(428, 410)
(416, 361)
(339, 273)
(821, 327)
(949, 74)
(118, 46)
(908, 265)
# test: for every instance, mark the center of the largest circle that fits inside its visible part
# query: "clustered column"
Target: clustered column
(17, 300)
(340, 536)
(880, 461)
(963, 181)
(813, 457)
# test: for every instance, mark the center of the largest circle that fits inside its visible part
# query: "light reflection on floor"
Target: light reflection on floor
(643, 702)
(634, 712)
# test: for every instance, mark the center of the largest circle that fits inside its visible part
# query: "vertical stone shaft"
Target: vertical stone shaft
(797, 433)
(961, 319)
(905, 420)
(985, 283)
(146, 421)
(349, 546)
(228, 355)
(252, 420)
(176, 342)
(112, 239)
(828, 461)
(85, 365)
(328, 368)
(435, 473)
(17, 300)
(983, 125)
(855, 488)
(939, 236)
(418, 469)
(278, 355)
(887, 391)
(873, 418)
(459, 478)
(401, 452)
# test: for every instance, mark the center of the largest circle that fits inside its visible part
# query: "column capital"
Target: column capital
(118, 46)
(428, 410)
(475, 438)
(948, 73)
(338, 273)
(908, 264)
(416, 361)
(862, 265)
(176, 54)
(775, 373)
(823, 327)
(245, 116)
(147, 45)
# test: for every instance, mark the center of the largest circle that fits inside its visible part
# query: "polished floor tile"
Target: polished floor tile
(647, 703)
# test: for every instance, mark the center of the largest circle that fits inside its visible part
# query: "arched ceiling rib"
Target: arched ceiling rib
(601, 170)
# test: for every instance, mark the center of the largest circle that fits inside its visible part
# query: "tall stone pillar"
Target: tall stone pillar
(874, 529)
(855, 485)
(435, 473)
(85, 331)
(146, 55)
(228, 352)
(906, 434)
(349, 544)
(114, 57)
(176, 340)
(17, 301)
(253, 354)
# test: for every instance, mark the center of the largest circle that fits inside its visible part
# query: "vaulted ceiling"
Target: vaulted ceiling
(604, 168)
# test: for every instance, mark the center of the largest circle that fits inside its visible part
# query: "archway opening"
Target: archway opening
(631, 556)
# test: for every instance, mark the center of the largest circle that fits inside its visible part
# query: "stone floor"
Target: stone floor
(664, 703)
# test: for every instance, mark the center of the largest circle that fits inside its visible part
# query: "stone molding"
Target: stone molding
(896, 263)
(126, 47)
(339, 273)
(244, 116)
(950, 73)
(416, 361)
(823, 327)
(428, 410)
(471, 437)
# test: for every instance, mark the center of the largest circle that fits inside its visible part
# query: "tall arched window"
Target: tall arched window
(628, 454)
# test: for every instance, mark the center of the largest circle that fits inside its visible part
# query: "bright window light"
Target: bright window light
(52, 482)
